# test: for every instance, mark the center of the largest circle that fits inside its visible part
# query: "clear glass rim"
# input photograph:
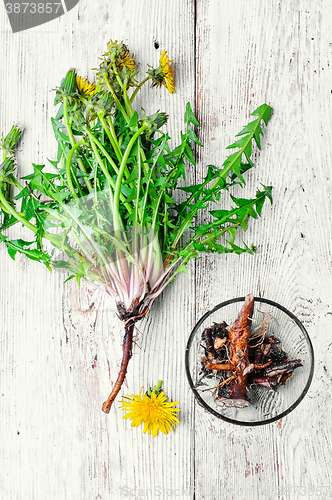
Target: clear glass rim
(240, 422)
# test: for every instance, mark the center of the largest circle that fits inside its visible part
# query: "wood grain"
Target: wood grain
(279, 54)
(61, 346)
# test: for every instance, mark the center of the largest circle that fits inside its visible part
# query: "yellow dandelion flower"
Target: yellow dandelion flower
(84, 87)
(127, 59)
(153, 411)
(167, 68)
(122, 55)
(164, 75)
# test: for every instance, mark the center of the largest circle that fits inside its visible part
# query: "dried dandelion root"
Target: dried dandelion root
(219, 366)
(242, 357)
(238, 335)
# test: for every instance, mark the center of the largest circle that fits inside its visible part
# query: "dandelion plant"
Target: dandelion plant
(108, 210)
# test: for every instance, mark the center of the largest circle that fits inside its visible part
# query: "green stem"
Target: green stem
(14, 182)
(103, 150)
(185, 224)
(138, 88)
(115, 97)
(121, 173)
(127, 102)
(138, 186)
(11, 211)
(165, 224)
(105, 171)
(68, 169)
(100, 162)
(145, 166)
(17, 184)
(101, 147)
(161, 194)
(115, 139)
(81, 246)
(146, 192)
(124, 92)
(116, 213)
(73, 142)
(109, 129)
(151, 176)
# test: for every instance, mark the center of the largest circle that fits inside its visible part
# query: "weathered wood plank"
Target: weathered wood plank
(280, 54)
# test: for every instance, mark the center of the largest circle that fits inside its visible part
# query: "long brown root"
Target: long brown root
(239, 334)
(127, 353)
(219, 366)
(130, 317)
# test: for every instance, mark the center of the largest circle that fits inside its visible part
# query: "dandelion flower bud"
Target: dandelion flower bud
(7, 167)
(9, 143)
(68, 84)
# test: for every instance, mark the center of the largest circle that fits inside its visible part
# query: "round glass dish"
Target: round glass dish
(267, 405)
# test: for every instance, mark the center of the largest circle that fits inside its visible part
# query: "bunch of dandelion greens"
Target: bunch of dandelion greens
(108, 212)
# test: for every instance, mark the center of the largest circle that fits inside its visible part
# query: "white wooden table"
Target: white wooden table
(60, 345)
